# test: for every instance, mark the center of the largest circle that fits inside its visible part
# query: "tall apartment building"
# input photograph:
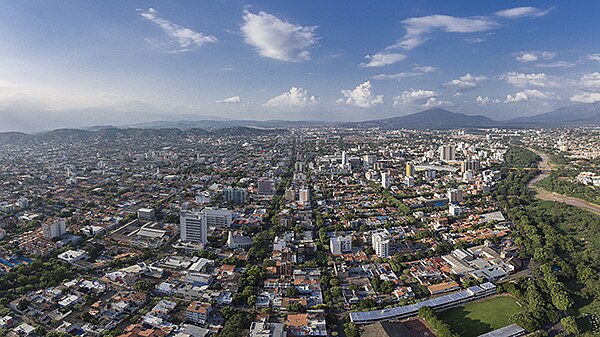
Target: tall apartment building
(192, 227)
(455, 195)
(381, 244)
(385, 180)
(447, 152)
(410, 170)
(235, 195)
(304, 196)
(54, 229)
(470, 165)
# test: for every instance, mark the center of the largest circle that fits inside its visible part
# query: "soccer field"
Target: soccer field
(477, 318)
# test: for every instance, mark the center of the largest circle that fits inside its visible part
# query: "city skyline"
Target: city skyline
(86, 63)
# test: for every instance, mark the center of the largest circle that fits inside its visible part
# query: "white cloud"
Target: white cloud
(524, 80)
(185, 38)
(422, 98)
(465, 83)
(591, 81)
(295, 98)
(486, 100)
(586, 97)
(230, 100)
(527, 57)
(475, 40)
(425, 69)
(397, 76)
(278, 39)
(557, 64)
(418, 27)
(532, 56)
(383, 59)
(361, 96)
(593, 57)
(522, 12)
(528, 95)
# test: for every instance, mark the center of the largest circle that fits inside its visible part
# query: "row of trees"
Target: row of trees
(441, 328)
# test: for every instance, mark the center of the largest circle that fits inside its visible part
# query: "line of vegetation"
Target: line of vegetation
(562, 181)
(441, 328)
(563, 243)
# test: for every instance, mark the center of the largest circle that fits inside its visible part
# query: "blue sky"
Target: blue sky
(100, 62)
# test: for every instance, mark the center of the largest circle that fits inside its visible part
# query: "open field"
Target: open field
(476, 318)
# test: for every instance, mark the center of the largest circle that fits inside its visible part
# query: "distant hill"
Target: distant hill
(429, 119)
(112, 133)
(571, 115)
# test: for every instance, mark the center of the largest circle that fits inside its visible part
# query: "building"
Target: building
(238, 241)
(385, 180)
(381, 244)
(454, 209)
(193, 227)
(218, 217)
(455, 195)
(429, 175)
(340, 244)
(265, 187)
(345, 160)
(260, 329)
(436, 303)
(146, 214)
(470, 165)
(203, 197)
(72, 256)
(410, 170)
(235, 195)
(54, 229)
(409, 181)
(304, 196)
(447, 152)
(197, 312)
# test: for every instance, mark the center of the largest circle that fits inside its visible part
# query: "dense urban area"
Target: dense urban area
(325, 231)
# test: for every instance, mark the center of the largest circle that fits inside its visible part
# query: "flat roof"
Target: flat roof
(374, 315)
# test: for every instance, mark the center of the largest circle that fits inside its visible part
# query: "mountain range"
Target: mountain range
(573, 115)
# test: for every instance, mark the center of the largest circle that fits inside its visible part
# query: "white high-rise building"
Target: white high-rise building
(54, 229)
(192, 227)
(218, 217)
(381, 244)
(447, 152)
(385, 180)
(340, 244)
(304, 196)
(344, 158)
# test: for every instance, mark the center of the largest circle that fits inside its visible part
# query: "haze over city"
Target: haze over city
(83, 63)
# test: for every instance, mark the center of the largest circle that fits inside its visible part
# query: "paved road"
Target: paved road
(541, 193)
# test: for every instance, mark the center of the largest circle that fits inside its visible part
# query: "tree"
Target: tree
(291, 291)
(570, 324)
(295, 306)
(252, 300)
(351, 330)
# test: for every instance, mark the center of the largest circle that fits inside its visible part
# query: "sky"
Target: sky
(72, 63)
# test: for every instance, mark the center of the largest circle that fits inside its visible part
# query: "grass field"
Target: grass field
(474, 319)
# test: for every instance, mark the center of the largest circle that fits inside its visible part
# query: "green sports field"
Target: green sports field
(474, 319)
